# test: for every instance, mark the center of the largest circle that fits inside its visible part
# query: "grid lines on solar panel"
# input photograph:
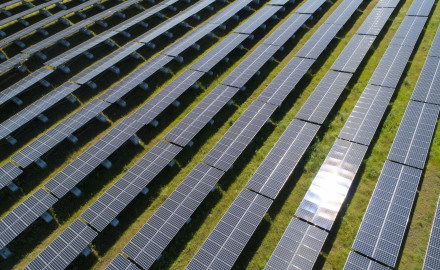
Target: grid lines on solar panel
(375, 21)
(118, 196)
(229, 11)
(428, 85)
(278, 2)
(219, 52)
(435, 46)
(420, 8)
(16, 221)
(323, 98)
(8, 172)
(353, 54)
(39, 106)
(367, 114)
(121, 263)
(237, 138)
(432, 258)
(310, 7)
(319, 41)
(23, 84)
(279, 164)
(330, 186)
(195, 120)
(65, 248)
(384, 224)
(228, 239)
(249, 66)
(257, 20)
(135, 78)
(343, 12)
(150, 241)
(409, 31)
(298, 248)
(387, 3)
(285, 81)
(283, 33)
(413, 139)
(51, 138)
(356, 261)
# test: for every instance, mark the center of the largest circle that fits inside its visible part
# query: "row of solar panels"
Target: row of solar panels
(30, 10)
(432, 258)
(99, 215)
(182, 83)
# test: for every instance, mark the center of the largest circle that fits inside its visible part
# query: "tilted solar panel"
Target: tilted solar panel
(428, 85)
(310, 7)
(28, 11)
(435, 46)
(387, 3)
(420, 8)
(228, 11)
(356, 261)
(283, 33)
(409, 31)
(257, 20)
(8, 172)
(353, 54)
(121, 263)
(432, 258)
(12, 62)
(375, 22)
(319, 41)
(343, 12)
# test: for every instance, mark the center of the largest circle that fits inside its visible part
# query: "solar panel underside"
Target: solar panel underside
(219, 52)
(298, 248)
(319, 41)
(382, 229)
(428, 85)
(60, 132)
(249, 66)
(121, 263)
(257, 20)
(230, 236)
(353, 54)
(327, 193)
(375, 22)
(285, 81)
(420, 8)
(237, 138)
(343, 12)
(310, 7)
(16, 221)
(413, 139)
(8, 172)
(432, 258)
(195, 120)
(39, 106)
(366, 116)
(118, 196)
(409, 31)
(65, 248)
(279, 164)
(358, 262)
(323, 98)
(283, 33)
(150, 241)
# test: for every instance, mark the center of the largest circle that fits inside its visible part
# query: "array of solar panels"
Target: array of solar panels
(432, 258)
(384, 225)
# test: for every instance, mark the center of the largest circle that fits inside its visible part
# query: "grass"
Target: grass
(257, 252)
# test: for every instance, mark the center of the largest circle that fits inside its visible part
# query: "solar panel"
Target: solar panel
(375, 22)
(409, 31)
(230, 236)
(39, 106)
(319, 41)
(19, 219)
(23, 84)
(279, 164)
(330, 186)
(121, 263)
(353, 54)
(117, 197)
(324, 97)
(298, 248)
(435, 46)
(135, 78)
(367, 115)
(428, 85)
(283, 33)
(8, 172)
(249, 66)
(257, 20)
(64, 249)
(229, 11)
(278, 2)
(150, 241)
(432, 258)
(310, 7)
(28, 11)
(356, 261)
(195, 120)
(391, 66)
(51, 138)
(219, 52)
(420, 8)
(12, 62)
(387, 3)
(285, 81)
(413, 139)
(237, 138)
(343, 12)
(9, 3)
(105, 63)
(382, 229)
